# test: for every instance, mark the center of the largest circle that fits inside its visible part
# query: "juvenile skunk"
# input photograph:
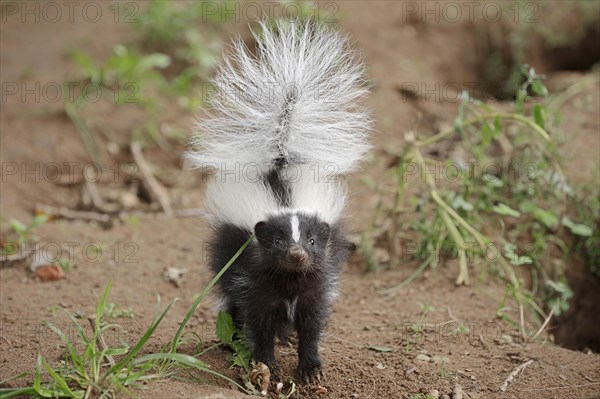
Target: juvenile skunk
(286, 125)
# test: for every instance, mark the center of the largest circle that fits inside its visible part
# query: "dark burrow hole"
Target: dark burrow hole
(573, 46)
(579, 327)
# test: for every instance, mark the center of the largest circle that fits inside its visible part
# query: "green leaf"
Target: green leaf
(460, 203)
(62, 384)
(87, 66)
(486, 134)
(18, 227)
(6, 393)
(539, 88)
(538, 115)
(225, 327)
(577, 228)
(379, 348)
(492, 181)
(140, 344)
(505, 210)
(497, 125)
(38, 220)
(243, 354)
(102, 304)
(75, 359)
(544, 216)
(65, 264)
(511, 254)
(185, 360)
(181, 358)
(155, 60)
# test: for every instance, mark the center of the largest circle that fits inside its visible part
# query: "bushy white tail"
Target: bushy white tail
(296, 102)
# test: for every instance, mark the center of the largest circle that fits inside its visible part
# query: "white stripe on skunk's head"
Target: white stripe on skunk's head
(295, 228)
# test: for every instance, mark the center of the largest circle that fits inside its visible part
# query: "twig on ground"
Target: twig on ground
(522, 322)
(565, 387)
(7, 259)
(71, 214)
(450, 314)
(544, 324)
(513, 374)
(156, 189)
(92, 190)
(573, 90)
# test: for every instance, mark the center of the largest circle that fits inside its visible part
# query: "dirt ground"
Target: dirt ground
(36, 133)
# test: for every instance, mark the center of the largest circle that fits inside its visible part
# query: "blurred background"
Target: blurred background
(479, 202)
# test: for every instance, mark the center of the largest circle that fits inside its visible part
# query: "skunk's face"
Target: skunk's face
(294, 242)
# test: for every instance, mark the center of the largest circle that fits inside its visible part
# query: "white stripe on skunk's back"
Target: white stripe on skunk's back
(243, 202)
(239, 202)
(319, 193)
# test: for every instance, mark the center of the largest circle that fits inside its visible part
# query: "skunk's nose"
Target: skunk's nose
(297, 255)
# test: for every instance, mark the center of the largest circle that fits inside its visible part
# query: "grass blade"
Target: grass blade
(189, 361)
(6, 393)
(203, 294)
(60, 381)
(123, 362)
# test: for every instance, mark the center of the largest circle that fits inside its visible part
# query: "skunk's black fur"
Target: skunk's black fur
(278, 283)
(311, 119)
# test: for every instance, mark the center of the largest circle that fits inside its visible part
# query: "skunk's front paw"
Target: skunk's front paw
(311, 370)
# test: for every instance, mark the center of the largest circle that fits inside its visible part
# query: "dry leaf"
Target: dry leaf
(49, 272)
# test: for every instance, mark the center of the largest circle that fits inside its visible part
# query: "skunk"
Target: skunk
(286, 126)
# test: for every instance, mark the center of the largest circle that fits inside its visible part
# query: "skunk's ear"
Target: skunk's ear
(261, 231)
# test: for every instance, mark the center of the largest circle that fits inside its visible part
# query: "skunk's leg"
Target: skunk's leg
(311, 318)
(263, 324)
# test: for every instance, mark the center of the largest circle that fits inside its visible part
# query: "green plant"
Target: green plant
(113, 311)
(132, 78)
(66, 265)
(24, 231)
(172, 27)
(241, 355)
(20, 234)
(164, 23)
(536, 30)
(512, 216)
(174, 56)
(93, 367)
(92, 370)
(234, 338)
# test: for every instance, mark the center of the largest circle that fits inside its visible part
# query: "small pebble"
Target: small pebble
(422, 358)
(457, 392)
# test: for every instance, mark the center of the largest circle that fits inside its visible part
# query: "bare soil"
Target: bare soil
(135, 252)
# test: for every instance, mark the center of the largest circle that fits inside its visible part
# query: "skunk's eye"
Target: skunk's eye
(278, 241)
(311, 241)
